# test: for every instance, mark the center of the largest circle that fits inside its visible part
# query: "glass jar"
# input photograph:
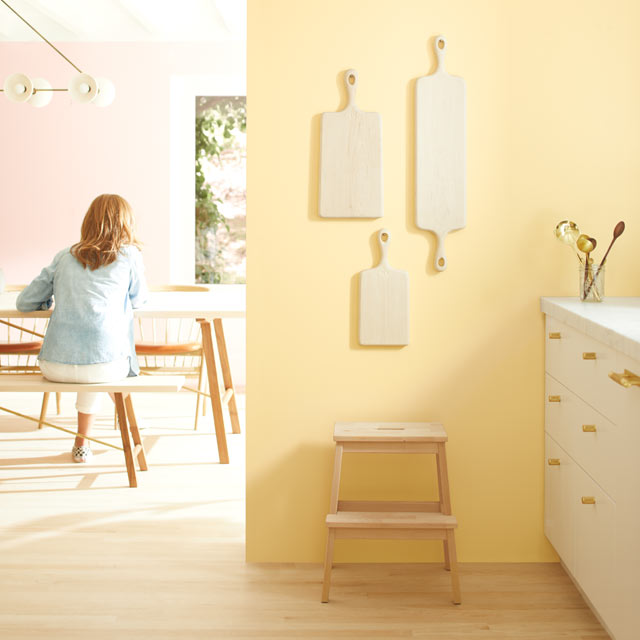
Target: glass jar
(591, 282)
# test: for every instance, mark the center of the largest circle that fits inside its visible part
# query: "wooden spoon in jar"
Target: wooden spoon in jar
(617, 232)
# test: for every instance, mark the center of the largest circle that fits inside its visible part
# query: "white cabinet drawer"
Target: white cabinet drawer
(587, 436)
(582, 365)
(595, 544)
(580, 522)
(558, 501)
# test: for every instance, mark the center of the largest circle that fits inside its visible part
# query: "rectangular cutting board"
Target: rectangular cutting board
(441, 180)
(384, 302)
(351, 160)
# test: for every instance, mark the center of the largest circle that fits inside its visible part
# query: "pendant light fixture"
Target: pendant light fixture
(83, 88)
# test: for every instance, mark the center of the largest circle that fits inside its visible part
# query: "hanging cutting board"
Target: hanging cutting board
(441, 181)
(384, 301)
(351, 160)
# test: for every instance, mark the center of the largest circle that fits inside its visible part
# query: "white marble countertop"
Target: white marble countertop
(614, 321)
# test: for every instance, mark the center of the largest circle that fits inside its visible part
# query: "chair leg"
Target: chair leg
(43, 410)
(328, 563)
(198, 396)
(453, 559)
(58, 399)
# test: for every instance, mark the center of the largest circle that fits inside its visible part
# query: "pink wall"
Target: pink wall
(56, 159)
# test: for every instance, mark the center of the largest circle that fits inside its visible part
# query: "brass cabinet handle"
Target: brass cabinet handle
(626, 379)
(589, 428)
(554, 398)
(588, 500)
(553, 462)
(589, 355)
(554, 335)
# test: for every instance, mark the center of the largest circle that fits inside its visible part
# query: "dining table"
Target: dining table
(209, 309)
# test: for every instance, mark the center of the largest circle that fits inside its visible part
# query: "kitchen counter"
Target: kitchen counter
(615, 321)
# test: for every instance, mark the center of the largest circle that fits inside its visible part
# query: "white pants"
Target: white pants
(87, 402)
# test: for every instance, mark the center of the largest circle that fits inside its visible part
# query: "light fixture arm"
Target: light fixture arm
(34, 29)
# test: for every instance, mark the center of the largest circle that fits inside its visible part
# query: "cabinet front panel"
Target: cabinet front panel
(582, 365)
(587, 436)
(558, 501)
(595, 544)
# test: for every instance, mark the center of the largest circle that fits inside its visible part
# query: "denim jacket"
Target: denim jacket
(92, 321)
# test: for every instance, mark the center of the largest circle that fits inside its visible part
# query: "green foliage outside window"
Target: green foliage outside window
(218, 121)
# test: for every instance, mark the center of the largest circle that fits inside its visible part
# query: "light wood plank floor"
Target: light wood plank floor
(83, 556)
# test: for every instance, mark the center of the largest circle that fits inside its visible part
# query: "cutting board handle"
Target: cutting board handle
(441, 259)
(440, 45)
(351, 82)
(384, 238)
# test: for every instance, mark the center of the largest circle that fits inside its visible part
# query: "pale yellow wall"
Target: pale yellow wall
(553, 90)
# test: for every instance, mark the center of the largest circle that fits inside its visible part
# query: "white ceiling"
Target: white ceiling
(125, 20)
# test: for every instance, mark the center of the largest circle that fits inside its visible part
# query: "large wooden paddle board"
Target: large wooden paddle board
(441, 181)
(384, 301)
(351, 160)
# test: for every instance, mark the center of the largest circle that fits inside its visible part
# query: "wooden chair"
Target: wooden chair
(21, 354)
(177, 346)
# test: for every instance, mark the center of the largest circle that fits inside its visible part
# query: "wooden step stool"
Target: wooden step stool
(392, 520)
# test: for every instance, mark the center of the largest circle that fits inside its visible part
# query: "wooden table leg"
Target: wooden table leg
(139, 452)
(126, 444)
(214, 389)
(43, 411)
(226, 374)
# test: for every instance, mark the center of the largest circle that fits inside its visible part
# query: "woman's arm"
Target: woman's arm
(39, 294)
(138, 292)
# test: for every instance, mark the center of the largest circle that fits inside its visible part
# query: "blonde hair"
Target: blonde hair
(108, 225)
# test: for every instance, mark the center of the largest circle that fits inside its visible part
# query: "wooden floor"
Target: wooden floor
(84, 556)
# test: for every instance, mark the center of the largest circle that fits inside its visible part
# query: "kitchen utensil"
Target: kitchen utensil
(441, 181)
(586, 244)
(351, 160)
(567, 232)
(384, 301)
(617, 232)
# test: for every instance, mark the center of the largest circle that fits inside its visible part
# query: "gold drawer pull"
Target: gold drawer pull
(554, 335)
(589, 428)
(626, 379)
(553, 462)
(589, 355)
(588, 500)
(554, 398)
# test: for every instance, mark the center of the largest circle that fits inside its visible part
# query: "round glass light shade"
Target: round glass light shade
(106, 92)
(18, 87)
(83, 88)
(40, 98)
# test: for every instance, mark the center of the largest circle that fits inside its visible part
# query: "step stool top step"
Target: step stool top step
(389, 432)
(390, 520)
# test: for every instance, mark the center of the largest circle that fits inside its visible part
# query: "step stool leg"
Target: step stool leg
(450, 543)
(328, 563)
(443, 492)
(126, 444)
(335, 485)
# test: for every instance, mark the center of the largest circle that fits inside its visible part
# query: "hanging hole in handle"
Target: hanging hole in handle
(441, 262)
(351, 79)
(440, 44)
(384, 236)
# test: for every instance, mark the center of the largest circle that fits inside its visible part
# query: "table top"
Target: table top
(223, 301)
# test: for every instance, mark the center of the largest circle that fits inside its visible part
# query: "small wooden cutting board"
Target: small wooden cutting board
(384, 301)
(351, 160)
(441, 181)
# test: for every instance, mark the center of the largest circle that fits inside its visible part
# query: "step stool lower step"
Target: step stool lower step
(390, 520)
